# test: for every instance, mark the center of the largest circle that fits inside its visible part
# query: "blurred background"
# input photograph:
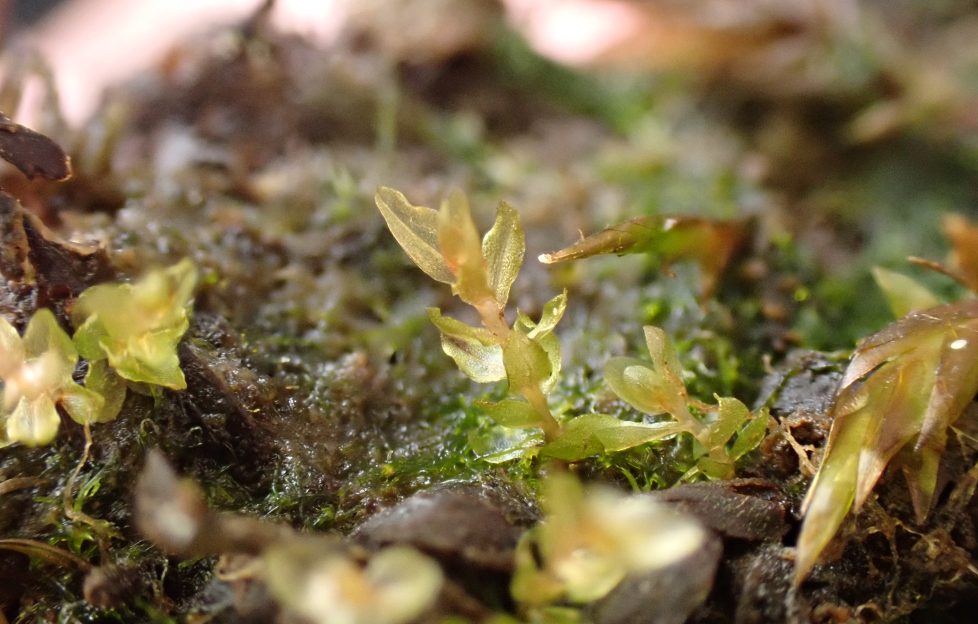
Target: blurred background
(847, 127)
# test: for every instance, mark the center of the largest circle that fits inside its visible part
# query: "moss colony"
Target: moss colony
(234, 397)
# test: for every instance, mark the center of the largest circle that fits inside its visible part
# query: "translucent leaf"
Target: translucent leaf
(627, 435)
(416, 230)
(903, 293)
(709, 243)
(474, 349)
(157, 301)
(553, 311)
(324, 585)
(731, 414)
(527, 363)
(461, 248)
(11, 348)
(714, 469)
(44, 335)
(903, 388)
(150, 358)
(103, 380)
(663, 353)
(593, 434)
(511, 413)
(34, 422)
(82, 404)
(503, 247)
(750, 435)
(502, 444)
(831, 494)
(642, 387)
(89, 337)
(550, 346)
(589, 540)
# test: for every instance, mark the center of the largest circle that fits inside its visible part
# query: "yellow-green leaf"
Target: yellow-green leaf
(592, 434)
(416, 230)
(106, 382)
(461, 248)
(503, 247)
(511, 412)
(731, 414)
(644, 388)
(474, 349)
(527, 363)
(903, 293)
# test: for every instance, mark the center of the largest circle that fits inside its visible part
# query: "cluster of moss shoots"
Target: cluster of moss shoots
(903, 390)
(127, 333)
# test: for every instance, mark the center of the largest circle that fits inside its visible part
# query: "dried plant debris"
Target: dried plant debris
(709, 243)
(31, 152)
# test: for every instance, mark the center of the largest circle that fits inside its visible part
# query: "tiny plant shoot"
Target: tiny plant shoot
(445, 244)
(128, 333)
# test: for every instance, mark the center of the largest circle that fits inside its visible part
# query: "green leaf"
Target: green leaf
(593, 434)
(664, 356)
(831, 494)
(903, 293)
(714, 469)
(150, 358)
(474, 349)
(416, 230)
(511, 412)
(34, 422)
(750, 435)
(461, 248)
(553, 311)
(102, 379)
(642, 387)
(84, 405)
(527, 363)
(89, 337)
(503, 247)
(502, 444)
(731, 414)
(626, 435)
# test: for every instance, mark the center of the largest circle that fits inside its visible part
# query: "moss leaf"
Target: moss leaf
(511, 412)
(593, 434)
(416, 229)
(904, 387)
(645, 388)
(527, 362)
(461, 248)
(474, 349)
(503, 247)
